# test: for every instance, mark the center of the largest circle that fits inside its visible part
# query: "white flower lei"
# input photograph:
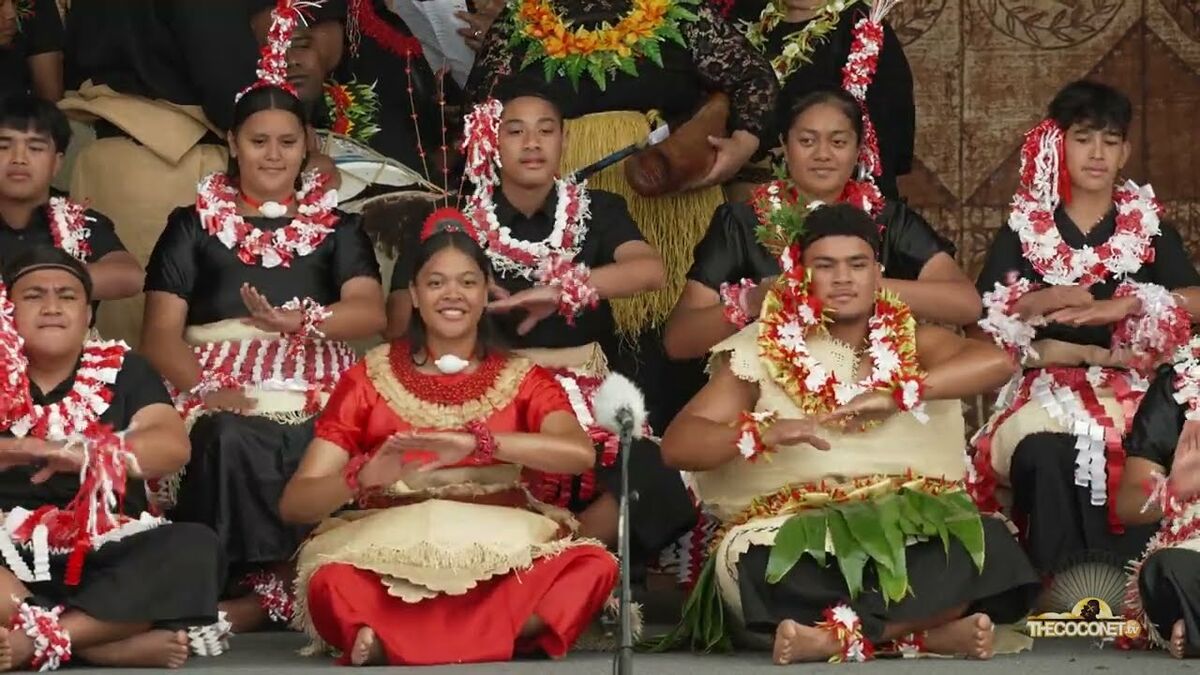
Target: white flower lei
(68, 226)
(1059, 264)
(523, 258)
(215, 202)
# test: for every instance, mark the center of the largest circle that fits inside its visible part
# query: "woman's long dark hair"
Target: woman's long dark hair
(258, 100)
(487, 338)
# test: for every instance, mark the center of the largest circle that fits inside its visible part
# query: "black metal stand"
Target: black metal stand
(625, 654)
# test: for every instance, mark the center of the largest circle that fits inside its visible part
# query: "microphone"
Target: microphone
(620, 407)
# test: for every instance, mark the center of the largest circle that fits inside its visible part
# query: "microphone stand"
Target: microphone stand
(625, 657)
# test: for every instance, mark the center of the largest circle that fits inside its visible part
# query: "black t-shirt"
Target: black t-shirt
(610, 226)
(182, 51)
(730, 251)
(40, 33)
(137, 386)
(102, 237)
(1171, 269)
(889, 98)
(196, 266)
(1159, 419)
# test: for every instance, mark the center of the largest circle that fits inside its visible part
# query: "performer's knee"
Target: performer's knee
(1162, 571)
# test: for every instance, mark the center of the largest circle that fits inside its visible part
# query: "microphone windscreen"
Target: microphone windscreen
(615, 393)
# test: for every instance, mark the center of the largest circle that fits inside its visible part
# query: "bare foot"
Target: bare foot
(970, 636)
(533, 626)
(16, 649)
(245, 614)
(794, 642)
(1178, 635)
(152, 649)
(366, 650)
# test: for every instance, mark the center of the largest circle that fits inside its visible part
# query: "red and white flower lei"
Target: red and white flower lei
(1154, 332)
(510, 255)
(779, 194)
(68, 226)
(1187, 378)
(1059, 264)
(88, 399)
(572, 280)
(859, 73)
(751, 426)
(1008, 330)
(846, 627)
(733, 296)
(51, 642)
(517, 256)
(892, 347)
(216, 202)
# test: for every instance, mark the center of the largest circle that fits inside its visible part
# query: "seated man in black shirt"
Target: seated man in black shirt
(82, 423)
(31, 46)
(33, 136)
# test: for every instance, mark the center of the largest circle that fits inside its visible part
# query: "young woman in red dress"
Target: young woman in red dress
(441, 556)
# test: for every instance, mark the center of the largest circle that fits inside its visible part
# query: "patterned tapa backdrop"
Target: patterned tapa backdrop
(985, 70)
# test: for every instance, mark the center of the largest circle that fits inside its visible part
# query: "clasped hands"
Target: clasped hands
(865, 409)
(415, 451)
(50, 457)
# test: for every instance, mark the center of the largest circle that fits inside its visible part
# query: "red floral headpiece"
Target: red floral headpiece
(1043, 157)
(448, 219)
(859, 73)
(272, 63)
(481, 144)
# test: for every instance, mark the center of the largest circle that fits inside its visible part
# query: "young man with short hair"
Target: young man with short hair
(33, 137)
(1089, 290)
(82, 423)
(836, 418)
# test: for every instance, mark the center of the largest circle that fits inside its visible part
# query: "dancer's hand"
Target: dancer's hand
(868, 408)
(448, 447)
(266, 317)
(539, 302)
(24, 451)
(1049, 300)
(1189, 439)
(754, 299)
(732, 155)
(1185, 475)
(794, 432)
(1098, 313)
(229, 400)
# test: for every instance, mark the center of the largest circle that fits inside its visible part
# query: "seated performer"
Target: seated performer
(1163, 447)
(1084, 283)
(834, 354)
(824, 144)
(448, 559)
(83, 422)
(33, 137)
(250, 296)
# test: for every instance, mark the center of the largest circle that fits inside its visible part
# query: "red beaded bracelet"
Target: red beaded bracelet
(350, 473)
(485, 442)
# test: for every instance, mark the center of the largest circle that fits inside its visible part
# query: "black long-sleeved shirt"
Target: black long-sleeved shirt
(187, 52)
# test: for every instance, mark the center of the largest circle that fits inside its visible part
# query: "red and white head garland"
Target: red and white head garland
(791, 313)
(69, 227)
(857, 76)
(508, 254)
(1044, 184)
(216, 202)
(272, 62)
